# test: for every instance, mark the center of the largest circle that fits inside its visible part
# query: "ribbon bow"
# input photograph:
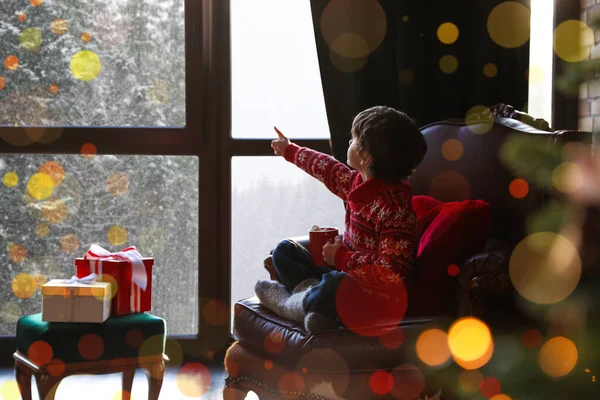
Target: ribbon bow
(129, 254)
(87, 280)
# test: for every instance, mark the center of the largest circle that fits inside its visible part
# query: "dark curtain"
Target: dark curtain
(404, 70)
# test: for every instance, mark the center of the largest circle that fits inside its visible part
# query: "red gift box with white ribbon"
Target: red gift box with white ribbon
(128, 270)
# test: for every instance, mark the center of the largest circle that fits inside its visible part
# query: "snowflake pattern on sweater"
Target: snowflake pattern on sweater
(381, 229)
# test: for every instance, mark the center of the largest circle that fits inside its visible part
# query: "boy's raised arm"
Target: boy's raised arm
(336, 176)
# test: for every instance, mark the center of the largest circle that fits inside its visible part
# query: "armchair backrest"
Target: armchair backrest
(479, 173)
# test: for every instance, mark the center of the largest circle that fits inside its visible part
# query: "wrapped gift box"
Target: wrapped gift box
(127, 270)
(70, 300)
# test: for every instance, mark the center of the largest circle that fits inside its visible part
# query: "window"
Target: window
(275, 81)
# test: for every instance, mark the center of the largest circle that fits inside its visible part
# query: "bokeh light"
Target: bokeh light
(573, 40)
(17, 253)
(470, 342)
(432, 347)
(509, 24)
(23, 285)
(59, 26)
(479, 119)
(11, 179)
(36, 3)
(117, 235)
(193, 379)
(518, 188)
(11, 312)
(558, 356)
(150, 345)
(85, 65)
(117, 184)
(216, 312)
(534, 74)
(545, 267)
(2, 82)
(405, 18)
(447, 33)
(490, 70)
(490, 387)
(159, 92)
(56, 367)
(10, 390)
(405, 76)
(40, 352)
(346, 64)
(268, 365)
(54, 170)
(274, 342)
(453, 270)
(90, 346)
(409, 382)
(11, 63)
(53, 89)
(392, 339)
(532, 339)
(123, 395)
(31, 39)
(69, 243)
(291, 382)
(54, 211)
(452, 149)
(567, 177)
(449, 64)
(326, 359)
(40, 280)
(89, 150)
(501, 397)
(381, 382)
(450, 186)
(40, 186)
(353, 28)
(22, 17)
(470, 380)
(86, 37)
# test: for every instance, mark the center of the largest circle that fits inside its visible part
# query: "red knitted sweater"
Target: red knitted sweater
(381, 228)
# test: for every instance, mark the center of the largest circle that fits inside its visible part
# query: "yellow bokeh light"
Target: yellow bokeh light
(479, 119)
(193, 380)
(558, 356)
(490, 70)
(405, 18)
(449, 64)
(452, 149)
(11, 179)
(358, 27)
(86, 65)
(470, 342)
(545, 267)
(346, 64)
(567, 177)
(447, 33)
(432, 347)
(23, 285)
(573, 40)
(10, 390)
(40, 186)
(509, 24)
(59, 26)
(120, 395)
(31, 38)
(42, 230)
(117, 235)
(470, 380)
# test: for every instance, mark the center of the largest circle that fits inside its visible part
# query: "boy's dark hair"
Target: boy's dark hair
(392, 138)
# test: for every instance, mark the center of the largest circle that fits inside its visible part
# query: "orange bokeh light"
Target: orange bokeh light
(518, 188)
(56, 367)
(53, 89)
(490, 387)
(432, 347)
(274, 343)
(17, 253)
(22, 17)
(36, 3)
(40, 352)
(470, 342)
(90, 346)
(86, 37)
(55, 170)
(11, 63)
(89, 150)
(291, 382)
(558, 356)
(2, 83)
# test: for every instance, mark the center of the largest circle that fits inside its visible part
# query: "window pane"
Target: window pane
(272, 200)
(55, 207)
(275, 70)
(92, 63)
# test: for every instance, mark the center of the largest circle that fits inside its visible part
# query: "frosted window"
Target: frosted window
(272, 200)
(275, 70)
(92, 63)
(55, 207)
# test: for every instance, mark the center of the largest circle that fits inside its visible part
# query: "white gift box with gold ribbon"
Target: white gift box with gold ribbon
(76, 300)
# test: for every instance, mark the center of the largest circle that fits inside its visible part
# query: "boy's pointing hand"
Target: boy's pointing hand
(278, 145)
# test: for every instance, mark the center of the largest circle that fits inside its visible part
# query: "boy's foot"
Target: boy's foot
(275, 297)
(315, 322)
(268, 263)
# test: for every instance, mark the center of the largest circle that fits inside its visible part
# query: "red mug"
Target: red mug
(317, 240)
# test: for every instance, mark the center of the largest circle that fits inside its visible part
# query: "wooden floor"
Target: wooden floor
(108, 387)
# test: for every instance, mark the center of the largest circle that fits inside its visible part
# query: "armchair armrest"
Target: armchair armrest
(482, 275)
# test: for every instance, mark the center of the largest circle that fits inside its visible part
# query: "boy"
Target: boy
(375, 256)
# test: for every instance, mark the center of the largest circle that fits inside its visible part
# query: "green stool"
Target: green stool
(51, 351)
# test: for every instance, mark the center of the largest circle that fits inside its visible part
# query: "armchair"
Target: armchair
(277, 358)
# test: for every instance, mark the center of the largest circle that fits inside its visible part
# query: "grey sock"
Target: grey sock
(275, 296)
(315, 322)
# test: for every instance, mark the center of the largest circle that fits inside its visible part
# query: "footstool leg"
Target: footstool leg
(156, 373)
(24, 380)
(47, 385)
(127, 383)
